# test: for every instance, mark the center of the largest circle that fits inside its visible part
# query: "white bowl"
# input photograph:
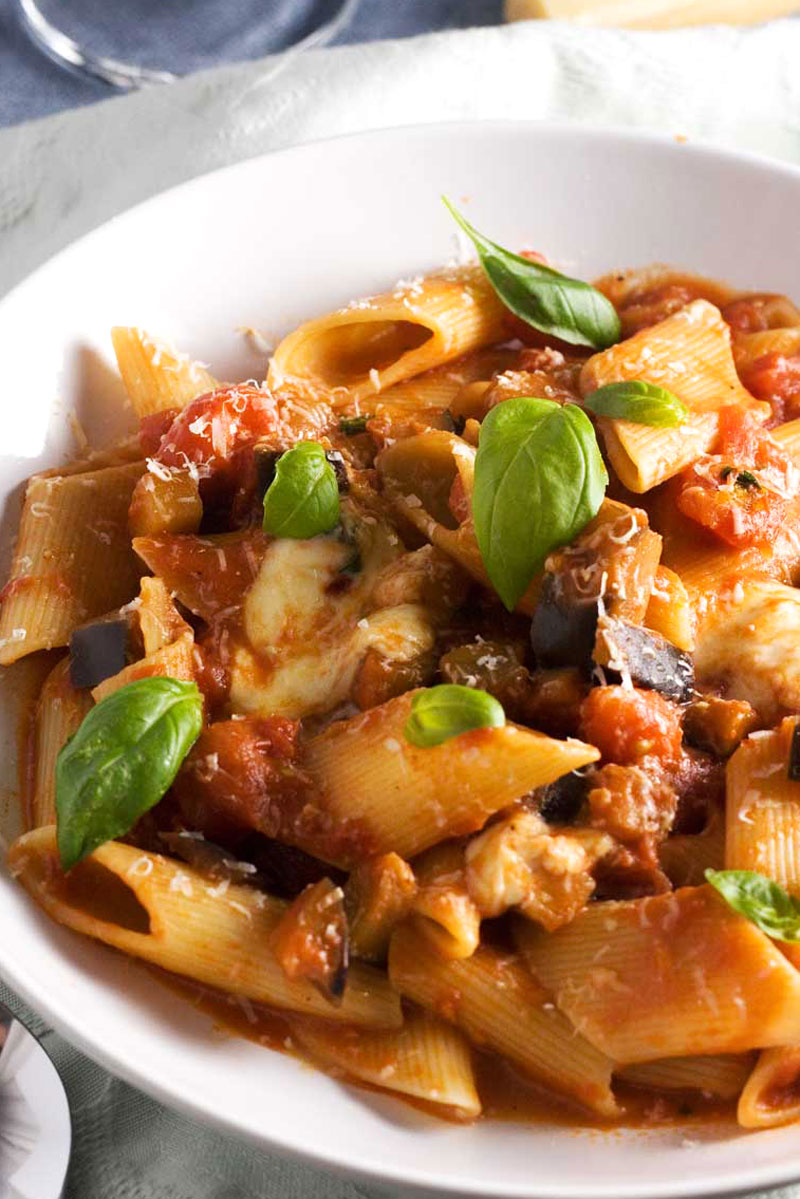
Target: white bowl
(267, 243)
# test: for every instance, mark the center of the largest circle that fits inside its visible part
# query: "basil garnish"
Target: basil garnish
(766, 903)
(439, 713)
(121, 761)
(551, 302)
(539, 479)
(637, 401)
(352, 425)
(303, 498)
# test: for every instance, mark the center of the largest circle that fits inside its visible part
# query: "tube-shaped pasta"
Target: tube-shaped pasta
(669, 610)
(749, 347)
(157, 376)
(59, 712)
(159, 620)
(168, 914)
(497, 1003)
(685, 857)
(669, 976)
(689, 353)
(721, 1074)
(175, 661)
(771, 1095)
(787, 436)
(443, 902)
(374, 343)
(73, 558)
(382, 794)
(426, 1059)
(762, 816)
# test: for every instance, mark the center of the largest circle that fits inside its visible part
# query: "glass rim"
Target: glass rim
(72, 56)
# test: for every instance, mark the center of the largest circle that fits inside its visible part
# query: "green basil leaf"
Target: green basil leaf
(757, 897)
(553, 303)
(303, 498)
(439, 713)
(121, 761)
(352, 425)
(539, 479)
(638, 401)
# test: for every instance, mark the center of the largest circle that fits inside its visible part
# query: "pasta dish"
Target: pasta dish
(432, 704)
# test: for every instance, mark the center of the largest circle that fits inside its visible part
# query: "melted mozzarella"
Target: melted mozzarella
(307, 627)
(753, 650)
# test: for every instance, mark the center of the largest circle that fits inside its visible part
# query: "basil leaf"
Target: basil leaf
(553, 303)
(766, 903)
(352, 425)
(439, 713)
(539, 479)
(303, 498)
(121, 761)
(638, 401)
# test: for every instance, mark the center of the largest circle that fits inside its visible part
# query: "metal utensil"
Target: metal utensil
(35, 1125)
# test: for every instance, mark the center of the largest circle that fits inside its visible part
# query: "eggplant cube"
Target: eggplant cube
(650, 660)
(563, 628)
(99, 650)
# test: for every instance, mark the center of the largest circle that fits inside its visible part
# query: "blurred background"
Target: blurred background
(184, 36)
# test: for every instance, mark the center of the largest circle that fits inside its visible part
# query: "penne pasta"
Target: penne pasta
(451, 917)
(699, 978)
(167, 913)
(762, 815)
(73, 558)
(722, 1074)
(156, 376)
(379, 790)
(771, 1095)
(669, 610)
(689, 353)
(375, 343)
(426, 1059)
(59, 711)
(497, 1003)
(159, 620)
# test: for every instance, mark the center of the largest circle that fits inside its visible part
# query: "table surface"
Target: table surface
(31, 86)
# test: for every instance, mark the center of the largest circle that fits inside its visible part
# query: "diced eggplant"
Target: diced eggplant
(211, 859)
(312, 939)
(266, 460)
(560, 802)
(100, 649)
(563, 629)
(336, 460)
(794, 755)
(649, 659)
(285, 869)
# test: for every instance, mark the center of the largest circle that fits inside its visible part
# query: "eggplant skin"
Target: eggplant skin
(560, 802)
(99, 650)
(563, 630)
(651, 661)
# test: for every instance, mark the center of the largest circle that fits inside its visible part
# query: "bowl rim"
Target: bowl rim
(407, 1176)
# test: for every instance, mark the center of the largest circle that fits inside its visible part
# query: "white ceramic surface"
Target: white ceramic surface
(265, 244)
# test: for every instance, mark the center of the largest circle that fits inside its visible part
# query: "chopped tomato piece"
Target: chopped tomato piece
(742, 493)
(152, 429)
(776, 379)
(628, 724)
(759, 311)
(207, 434)
(645, 308)
(238, 776)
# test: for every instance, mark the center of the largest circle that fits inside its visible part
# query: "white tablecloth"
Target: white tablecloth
(61, 176)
